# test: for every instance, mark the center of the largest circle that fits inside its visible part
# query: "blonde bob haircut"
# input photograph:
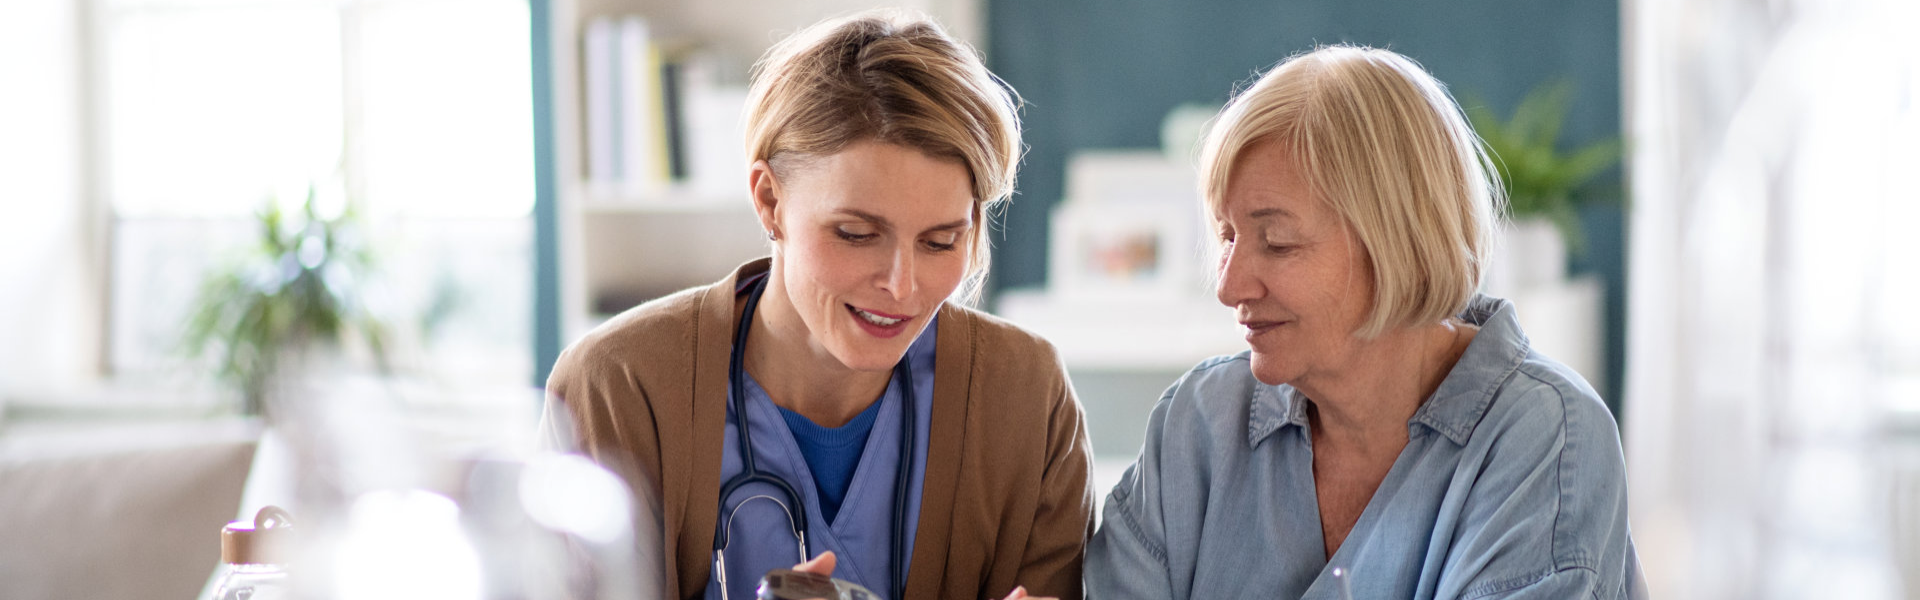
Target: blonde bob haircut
(1386, 148)
(895, 77)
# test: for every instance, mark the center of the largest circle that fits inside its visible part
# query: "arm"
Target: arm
(579, 416)
(1547, 514)
(1127, 558)
(1064, 517)
(598, 409)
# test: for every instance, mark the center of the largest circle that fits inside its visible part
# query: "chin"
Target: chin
(871, 358)
(1271, 370)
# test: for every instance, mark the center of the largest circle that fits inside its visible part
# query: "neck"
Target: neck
(1366, 404)
(798, 373)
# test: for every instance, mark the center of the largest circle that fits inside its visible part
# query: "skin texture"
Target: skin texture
(1301, 285)
(876, 227)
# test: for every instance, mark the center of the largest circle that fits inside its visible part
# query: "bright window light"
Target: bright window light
(215, 106)
(449, 126)
(209, 110)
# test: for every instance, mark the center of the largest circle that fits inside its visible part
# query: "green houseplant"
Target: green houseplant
(1541, 180)
(298, 290)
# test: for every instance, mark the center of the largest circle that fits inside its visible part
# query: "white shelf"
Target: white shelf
(623, 244)
(1127, 334)
(602, 197)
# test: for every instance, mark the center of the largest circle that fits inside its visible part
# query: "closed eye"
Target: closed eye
(856, 238)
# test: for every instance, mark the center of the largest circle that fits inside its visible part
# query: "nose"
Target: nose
(899, 280)
(1237, 283)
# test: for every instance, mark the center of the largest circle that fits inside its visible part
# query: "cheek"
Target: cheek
(819, 268)
(942, 274)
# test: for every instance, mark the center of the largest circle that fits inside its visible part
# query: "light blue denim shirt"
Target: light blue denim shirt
(1512, 485)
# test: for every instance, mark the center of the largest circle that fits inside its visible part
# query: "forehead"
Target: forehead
(1266, 184)
(897, 182)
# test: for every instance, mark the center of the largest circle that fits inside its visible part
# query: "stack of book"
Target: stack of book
(659, 113)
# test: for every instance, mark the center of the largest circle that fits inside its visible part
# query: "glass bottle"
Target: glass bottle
(253, 568)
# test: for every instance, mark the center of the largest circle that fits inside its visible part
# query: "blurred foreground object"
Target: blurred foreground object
(251, 553)
(387, 513)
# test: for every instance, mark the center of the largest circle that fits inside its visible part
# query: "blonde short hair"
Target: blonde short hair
(895, 77)
(1384, 145)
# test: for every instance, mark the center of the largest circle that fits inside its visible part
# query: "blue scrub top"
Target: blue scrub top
(861, 535)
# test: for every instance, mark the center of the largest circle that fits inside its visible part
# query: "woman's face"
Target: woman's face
(871, 241)
(1290, 268)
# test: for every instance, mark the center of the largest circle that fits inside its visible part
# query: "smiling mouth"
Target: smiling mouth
(877, 319)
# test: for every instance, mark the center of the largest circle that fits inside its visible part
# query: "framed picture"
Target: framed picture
(1143, 249)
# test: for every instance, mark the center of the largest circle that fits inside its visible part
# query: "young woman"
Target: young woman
(833, 397)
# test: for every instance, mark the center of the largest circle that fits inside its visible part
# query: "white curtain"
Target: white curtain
(1773, 337)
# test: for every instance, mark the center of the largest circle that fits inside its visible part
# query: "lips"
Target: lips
(879, 324)
(1257, 328)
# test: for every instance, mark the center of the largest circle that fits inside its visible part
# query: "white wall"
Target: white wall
(50, 313)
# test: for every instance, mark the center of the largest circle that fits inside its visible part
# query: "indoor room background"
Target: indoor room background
(434, 197)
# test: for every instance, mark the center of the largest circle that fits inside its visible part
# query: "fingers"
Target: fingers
(1020, 593)
(820, 565)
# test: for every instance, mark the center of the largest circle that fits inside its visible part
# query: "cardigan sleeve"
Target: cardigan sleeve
(591, 409)
(599, 396)
(1064, 518)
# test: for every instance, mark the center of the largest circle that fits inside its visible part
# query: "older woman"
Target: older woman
(1390, 434)
(831, 403)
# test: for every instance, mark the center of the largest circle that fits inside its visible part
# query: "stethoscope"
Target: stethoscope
(795, 510)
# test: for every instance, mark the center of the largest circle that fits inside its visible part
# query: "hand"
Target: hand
(1020, 593)
(820, 565)
(824, 563)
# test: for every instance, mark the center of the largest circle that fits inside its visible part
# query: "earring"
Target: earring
(771, 236)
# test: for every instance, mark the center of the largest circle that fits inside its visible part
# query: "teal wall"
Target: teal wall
(1102, 74)
(546, 219)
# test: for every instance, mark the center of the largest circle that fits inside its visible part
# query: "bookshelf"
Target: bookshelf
(621, 241)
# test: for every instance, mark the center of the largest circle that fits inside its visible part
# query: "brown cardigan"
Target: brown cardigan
(1006, 499)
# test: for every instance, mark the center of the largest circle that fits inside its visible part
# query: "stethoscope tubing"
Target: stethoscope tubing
(795, 509)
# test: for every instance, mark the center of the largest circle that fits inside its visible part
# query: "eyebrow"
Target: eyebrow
(1272, 212)
(883, 222)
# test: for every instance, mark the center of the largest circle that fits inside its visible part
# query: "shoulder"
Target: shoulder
(1210, 414)
(1217, 393)
(654, 336)
(1549, 441)
(1003, 351)
(1551, 400)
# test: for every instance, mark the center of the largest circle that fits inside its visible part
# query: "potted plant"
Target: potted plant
(298, 291)
(1543, 184)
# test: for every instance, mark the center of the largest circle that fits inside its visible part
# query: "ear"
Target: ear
(766, 192)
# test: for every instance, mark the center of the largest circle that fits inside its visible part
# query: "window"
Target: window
(419, 110)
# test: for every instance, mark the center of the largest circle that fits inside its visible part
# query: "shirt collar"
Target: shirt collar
(1274, 407)
(1459, 403)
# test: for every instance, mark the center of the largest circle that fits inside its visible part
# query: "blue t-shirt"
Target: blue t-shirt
(832, 453)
